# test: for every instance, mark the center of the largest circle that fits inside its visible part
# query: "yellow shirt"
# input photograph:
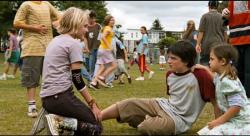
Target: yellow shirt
(35, 13)
(109, 38)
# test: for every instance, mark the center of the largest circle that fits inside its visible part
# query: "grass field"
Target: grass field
(13, 103)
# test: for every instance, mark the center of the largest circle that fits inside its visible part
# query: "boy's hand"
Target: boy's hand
(198, 66)
(42, 29)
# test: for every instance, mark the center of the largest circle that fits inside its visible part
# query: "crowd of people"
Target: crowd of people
(203, 67)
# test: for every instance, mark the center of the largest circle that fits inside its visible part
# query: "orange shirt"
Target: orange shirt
(239, 22)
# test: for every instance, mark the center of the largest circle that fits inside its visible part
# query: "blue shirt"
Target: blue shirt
(143, 42)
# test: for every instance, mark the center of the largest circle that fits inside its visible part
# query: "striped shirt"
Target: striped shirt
(34, 13)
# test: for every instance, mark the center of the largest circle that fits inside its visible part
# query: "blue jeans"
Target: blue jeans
(86, 74)
(92, 61)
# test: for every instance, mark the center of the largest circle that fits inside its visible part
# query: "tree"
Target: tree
(7, 13)
(166, 42)
(98, 6)
(156, 25)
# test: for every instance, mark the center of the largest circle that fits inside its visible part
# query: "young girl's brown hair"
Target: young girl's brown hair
(230, 56)
(145, 29)
(106, 21)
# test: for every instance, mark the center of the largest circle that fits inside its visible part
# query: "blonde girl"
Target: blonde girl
(61, 69)
(230, 94)
(105, 53)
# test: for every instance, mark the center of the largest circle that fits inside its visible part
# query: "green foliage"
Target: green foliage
(166, 42)
(97, 6)
(156, 25)
(8, 11)
(7, 14)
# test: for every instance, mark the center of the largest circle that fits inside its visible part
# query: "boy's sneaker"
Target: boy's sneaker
(53, 124)
(151, 73)
(95, 87)
(61, 125)
(3, 77)
(129, 80)
(109, 85)
(11, 76)
(139, 79)
(33, 113)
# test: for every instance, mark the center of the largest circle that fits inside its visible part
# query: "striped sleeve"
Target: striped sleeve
(21, 14)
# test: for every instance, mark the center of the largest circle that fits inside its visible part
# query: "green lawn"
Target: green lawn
(13, 103)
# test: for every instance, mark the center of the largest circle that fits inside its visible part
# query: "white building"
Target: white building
(132, 35)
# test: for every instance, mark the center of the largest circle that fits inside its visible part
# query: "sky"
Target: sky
(173, 15)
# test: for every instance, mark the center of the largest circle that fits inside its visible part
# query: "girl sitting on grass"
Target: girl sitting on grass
(230, 94)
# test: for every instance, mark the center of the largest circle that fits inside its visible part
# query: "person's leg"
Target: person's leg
(240, 64)
(31, 73)
(110, 112)
(141, 63)
(15, 70)
(132, 111)
(110, 69)
(100, 70)
(5, 71)
(157, 125)
(247, 70)
(85, 74)
(66, 104)
(87, 62)
(92, 61)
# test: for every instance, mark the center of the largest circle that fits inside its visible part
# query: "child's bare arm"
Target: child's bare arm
(199, 66)
(217, 111)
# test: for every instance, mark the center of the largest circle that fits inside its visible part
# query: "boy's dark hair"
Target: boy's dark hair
(213, 4)
(92, 14)
(12, 30)
(185, 50)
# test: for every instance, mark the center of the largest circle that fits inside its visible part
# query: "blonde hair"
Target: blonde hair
(72, 21)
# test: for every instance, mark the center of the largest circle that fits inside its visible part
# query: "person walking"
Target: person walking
(142, 50)
(12, 54)
(211, 32)
(105, 53)
(93, 41)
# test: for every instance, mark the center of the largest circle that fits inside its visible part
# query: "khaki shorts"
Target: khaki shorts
(146, 115)
(31, 71)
